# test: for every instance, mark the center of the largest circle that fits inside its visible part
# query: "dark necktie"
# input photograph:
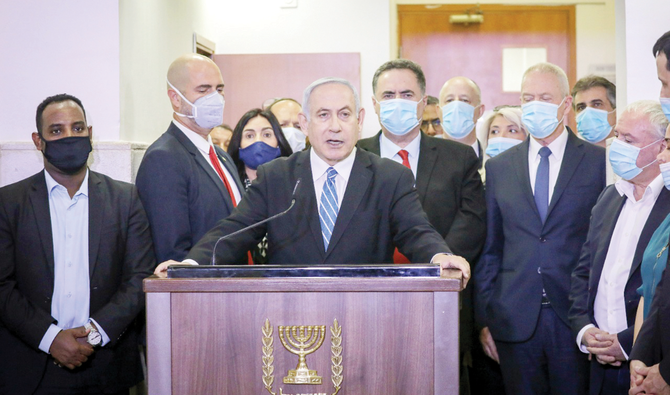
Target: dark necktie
(542, 184)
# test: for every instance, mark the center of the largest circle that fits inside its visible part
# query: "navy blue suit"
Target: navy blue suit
(586, 277)
(522, 256)
(181, 192)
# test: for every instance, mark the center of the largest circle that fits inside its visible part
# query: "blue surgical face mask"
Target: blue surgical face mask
(399, 116)
(623, 158)
(540, 118)
(592, 124)
(665, 172)
(458, 119)
(295, 137)
(257, 154)
(498, 145)
(665, 104)
(207, 110)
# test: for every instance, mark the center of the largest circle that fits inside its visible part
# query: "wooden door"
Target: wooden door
(446, 50)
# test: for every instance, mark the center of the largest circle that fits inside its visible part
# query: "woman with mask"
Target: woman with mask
(505, 130)
(257, 139)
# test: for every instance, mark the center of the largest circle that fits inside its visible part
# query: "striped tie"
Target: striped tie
(328, 208)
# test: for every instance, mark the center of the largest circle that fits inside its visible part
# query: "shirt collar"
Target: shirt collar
(52, 184)
(389, 147)
(201, 144)
(343, 167)
(557, 146)
(626, 188)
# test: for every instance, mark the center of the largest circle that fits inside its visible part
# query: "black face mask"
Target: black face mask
(68, 154)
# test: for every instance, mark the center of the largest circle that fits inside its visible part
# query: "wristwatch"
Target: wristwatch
(94, 337)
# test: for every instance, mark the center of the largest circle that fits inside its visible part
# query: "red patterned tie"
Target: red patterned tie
(215, 161)
(397, 256)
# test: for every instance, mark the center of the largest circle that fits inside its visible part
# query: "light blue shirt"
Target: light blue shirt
(70, 302)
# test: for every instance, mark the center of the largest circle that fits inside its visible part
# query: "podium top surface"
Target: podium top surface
(303, 278)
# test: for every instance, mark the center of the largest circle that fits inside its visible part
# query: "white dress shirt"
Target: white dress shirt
(70, 302)
(319, 171)
(557, 148)
(475, 146)
(610, 305)
(388, 149)
(203, 146)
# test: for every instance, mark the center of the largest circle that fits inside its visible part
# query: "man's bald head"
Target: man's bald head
(183, 69)
(460, 88)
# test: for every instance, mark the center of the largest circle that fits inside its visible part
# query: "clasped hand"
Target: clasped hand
(604, 346)
(70, 347)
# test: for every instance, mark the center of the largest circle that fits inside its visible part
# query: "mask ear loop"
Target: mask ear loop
(647, 146)
(193, 107)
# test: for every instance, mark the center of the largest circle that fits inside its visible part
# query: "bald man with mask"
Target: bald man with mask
(286, 110)
(460, 107)
(186, 183)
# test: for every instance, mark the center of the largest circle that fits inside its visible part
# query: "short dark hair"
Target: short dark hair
(401, 64)
(663, 45)
(236, 138)
(432, 100)
(54, 99)
(593, 81)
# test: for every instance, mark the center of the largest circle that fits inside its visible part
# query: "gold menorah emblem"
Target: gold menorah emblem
(302, 340)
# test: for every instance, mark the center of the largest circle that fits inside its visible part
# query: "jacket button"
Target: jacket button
(543, 240)
(539, 270)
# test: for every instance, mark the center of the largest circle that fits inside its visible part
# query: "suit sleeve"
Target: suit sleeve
(138, 263)
(252, 209)
(579, 285)
(163, 185)
(18, 314)
(467, 233)
(486, 270)
(413, 234)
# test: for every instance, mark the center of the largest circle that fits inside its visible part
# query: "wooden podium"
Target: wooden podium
(378, 335)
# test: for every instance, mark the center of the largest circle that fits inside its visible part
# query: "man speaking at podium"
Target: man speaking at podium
(352, 206)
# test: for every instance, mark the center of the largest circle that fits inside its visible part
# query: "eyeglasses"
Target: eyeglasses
(435, 122)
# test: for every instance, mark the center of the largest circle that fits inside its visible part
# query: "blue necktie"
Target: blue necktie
(328, 208)
(542, 183)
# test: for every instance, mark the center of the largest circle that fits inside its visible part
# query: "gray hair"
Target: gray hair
(328, 80)
(551, 69)
(653, 112)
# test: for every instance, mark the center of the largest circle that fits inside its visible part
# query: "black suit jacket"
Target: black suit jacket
(120, 257)
(586, 276)
(652, 345)
(181, 192)
(450, 190)
(380, 209)
(522, 255)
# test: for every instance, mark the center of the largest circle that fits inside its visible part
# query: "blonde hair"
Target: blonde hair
(512, 114)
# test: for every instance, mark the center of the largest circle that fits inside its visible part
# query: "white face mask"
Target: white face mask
(295, 137)
(207, 110)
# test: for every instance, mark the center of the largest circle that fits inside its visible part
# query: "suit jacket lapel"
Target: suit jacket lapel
(658, 213)
(358, 183)
(40, 203)
(232, 169)
(200, 160)
(96, 208)
(309, 207)
(571, 158)
(427, 159)
(521, 165)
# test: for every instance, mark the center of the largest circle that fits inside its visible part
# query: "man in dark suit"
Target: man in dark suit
(353, 206)
(186, 183)
(604, 284)
(446, 172)
(539, 195)
(649, 371)
(75, 247)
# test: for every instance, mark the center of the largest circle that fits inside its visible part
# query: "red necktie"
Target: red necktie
(215, 161)
(397, 256)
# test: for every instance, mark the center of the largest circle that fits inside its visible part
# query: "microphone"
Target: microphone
(293, 198)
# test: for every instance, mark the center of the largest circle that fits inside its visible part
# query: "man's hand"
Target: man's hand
(589, 338)
(67, 348)
(162, 268)
(488, 344)
(612, 354)
(653, 382)
(453, 262)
